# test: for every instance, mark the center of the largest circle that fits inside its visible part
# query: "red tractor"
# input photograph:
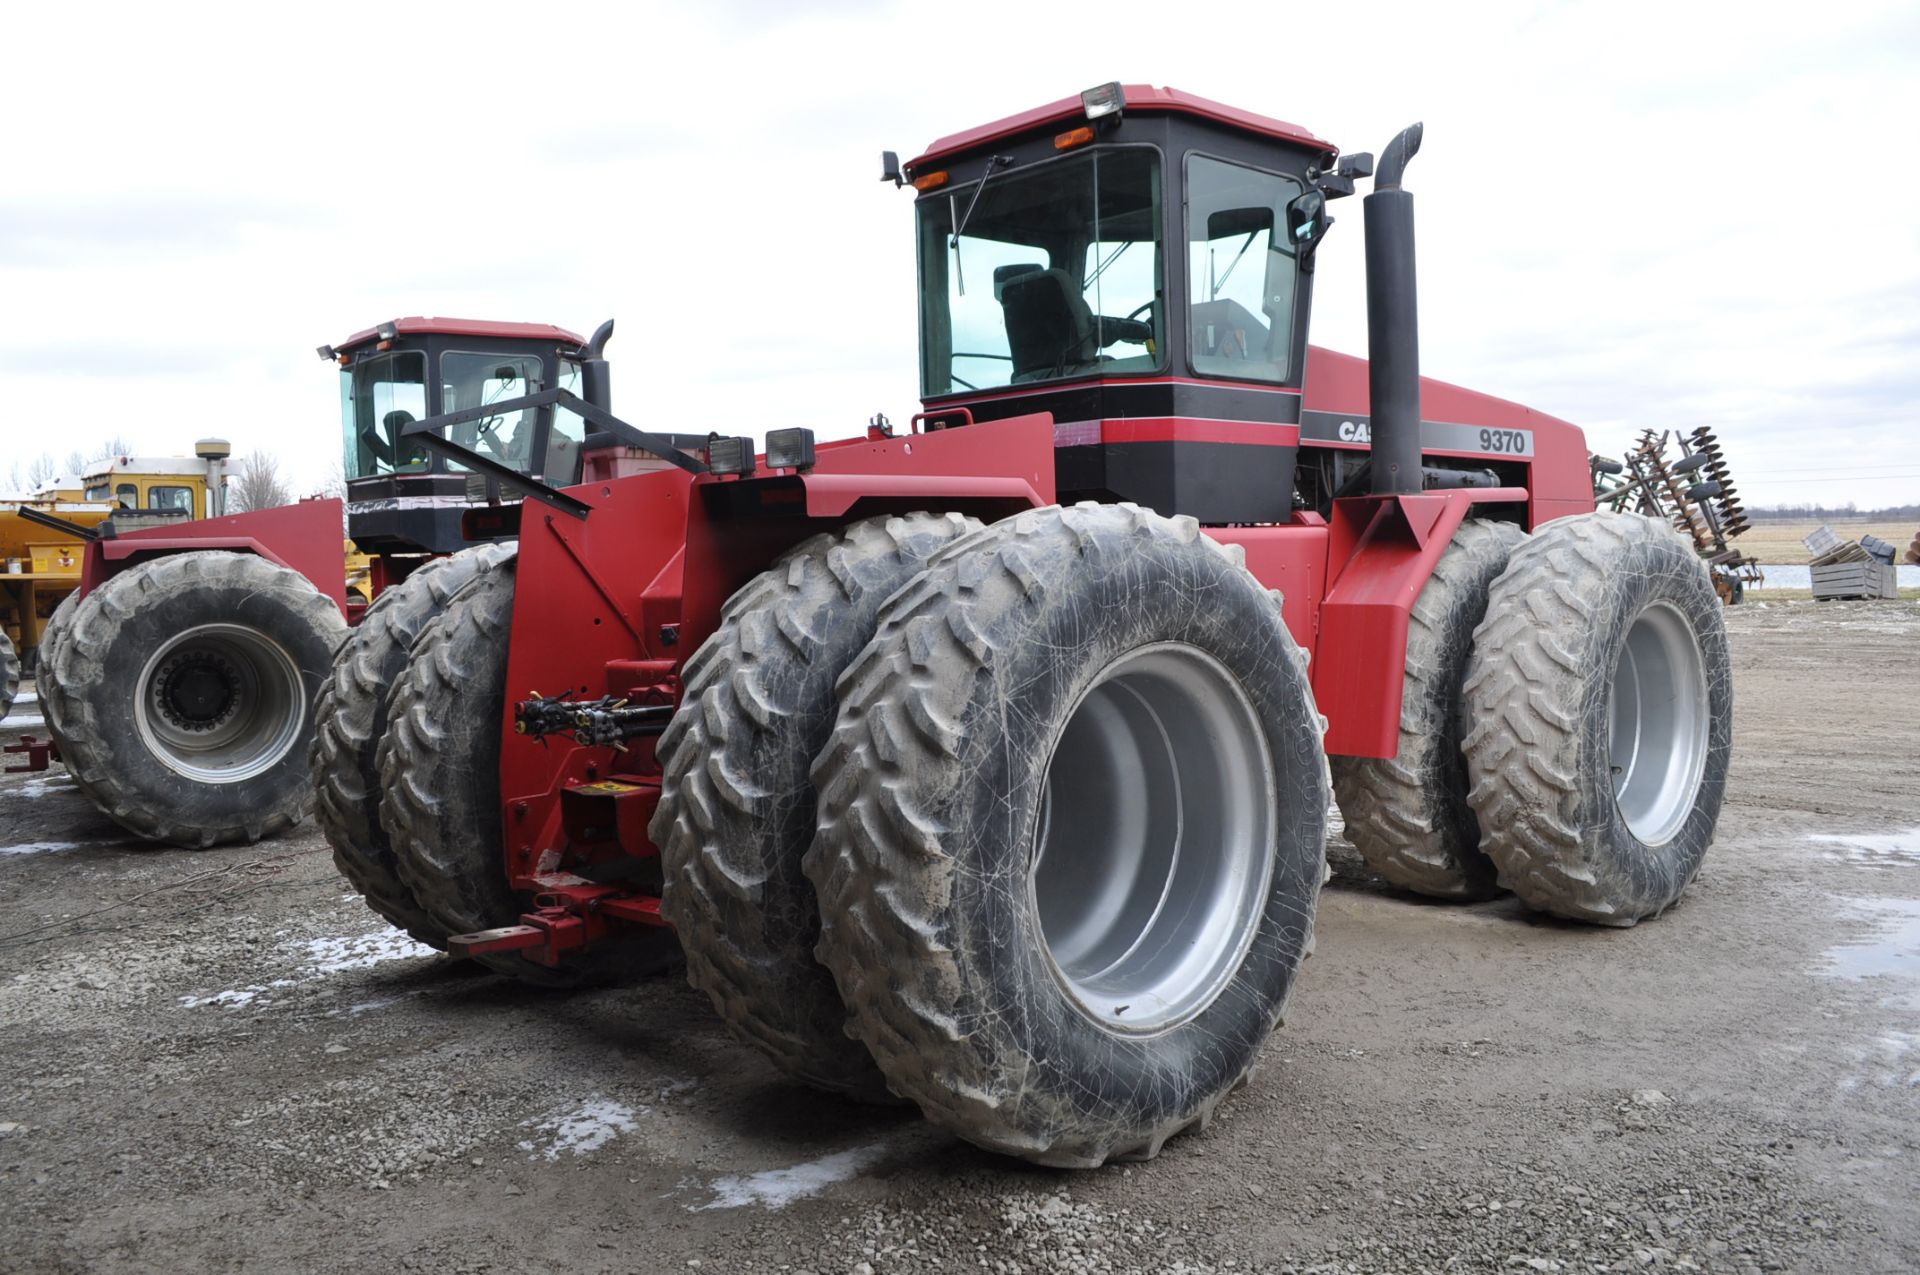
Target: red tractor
(984, 765)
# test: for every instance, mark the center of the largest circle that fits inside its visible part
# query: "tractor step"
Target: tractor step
(39, 752)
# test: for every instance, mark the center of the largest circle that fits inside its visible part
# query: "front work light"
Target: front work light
(387, 331)
(729, 455)
(790, 448)
(1108, 99)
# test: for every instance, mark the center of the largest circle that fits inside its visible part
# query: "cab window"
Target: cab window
(128, 495)
(380, 397)
(171, 498)
(1241, 271)
(569, 432)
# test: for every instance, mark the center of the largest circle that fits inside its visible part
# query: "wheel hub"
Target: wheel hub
(1658, 724)
(1154, 844)
(220, 703)
(198, 690)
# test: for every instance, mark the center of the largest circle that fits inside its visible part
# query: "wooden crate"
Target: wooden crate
(1854, 580)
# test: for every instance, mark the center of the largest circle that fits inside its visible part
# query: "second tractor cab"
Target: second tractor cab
(404, 498)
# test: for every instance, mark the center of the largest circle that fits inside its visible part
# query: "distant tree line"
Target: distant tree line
(23, 475)
(1811, 512)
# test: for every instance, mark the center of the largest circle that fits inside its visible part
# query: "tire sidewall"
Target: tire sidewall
(1144, 593)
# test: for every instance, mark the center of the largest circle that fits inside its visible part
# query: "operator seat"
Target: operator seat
(1050, 327)
(395, 452)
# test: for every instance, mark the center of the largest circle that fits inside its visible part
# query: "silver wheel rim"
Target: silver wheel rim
(1154, 847)
(220, 703)
(1657, 724)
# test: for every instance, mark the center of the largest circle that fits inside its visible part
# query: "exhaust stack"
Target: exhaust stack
(596, 378)
(1393, 329)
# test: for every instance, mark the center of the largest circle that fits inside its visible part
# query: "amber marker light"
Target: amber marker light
(1071, 138)
(930, 181)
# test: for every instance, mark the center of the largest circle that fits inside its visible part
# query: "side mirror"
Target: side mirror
(1307, 221)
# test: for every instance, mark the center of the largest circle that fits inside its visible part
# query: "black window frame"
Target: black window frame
(1296, 336)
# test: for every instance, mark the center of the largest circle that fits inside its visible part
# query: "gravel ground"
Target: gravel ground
(222, 1061)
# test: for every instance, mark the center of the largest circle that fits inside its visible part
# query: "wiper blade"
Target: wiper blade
(960, 225)
(1221, 282)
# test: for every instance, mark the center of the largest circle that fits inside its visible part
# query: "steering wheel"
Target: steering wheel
(1131, 328)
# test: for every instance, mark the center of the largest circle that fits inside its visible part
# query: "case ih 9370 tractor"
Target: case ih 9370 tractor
(984, 765)
(179, 681)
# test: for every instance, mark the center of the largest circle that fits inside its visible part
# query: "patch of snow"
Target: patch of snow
(14, 722)
(233, 998)
(41, 847)
(44, 787)
(777, 1188)
(323, 958)
(589, 1127)
(330, 956)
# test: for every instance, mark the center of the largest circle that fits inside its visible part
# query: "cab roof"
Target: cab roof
(430, 325)
(1141, 99)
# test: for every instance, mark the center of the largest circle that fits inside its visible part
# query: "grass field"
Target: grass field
(1779, 542)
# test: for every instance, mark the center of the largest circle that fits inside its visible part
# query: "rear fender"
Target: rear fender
(307, 537)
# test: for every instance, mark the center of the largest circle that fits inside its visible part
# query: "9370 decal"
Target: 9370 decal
(1443, 436)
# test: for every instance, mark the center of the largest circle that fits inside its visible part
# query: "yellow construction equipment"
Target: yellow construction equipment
(39, 567)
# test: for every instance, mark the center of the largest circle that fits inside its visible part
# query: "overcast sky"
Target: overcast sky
(1630, 214)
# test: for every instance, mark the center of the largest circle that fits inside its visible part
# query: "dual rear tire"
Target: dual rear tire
(1565, 727)
(1043, 970)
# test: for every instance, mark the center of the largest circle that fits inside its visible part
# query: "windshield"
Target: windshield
(379, 397)
(1056, 273)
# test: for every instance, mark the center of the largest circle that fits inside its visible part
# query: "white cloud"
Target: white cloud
(1631, 214)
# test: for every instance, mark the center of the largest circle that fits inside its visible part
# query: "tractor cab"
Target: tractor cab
(403, 497)
(1137, 262)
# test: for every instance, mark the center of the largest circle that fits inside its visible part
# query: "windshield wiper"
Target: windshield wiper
(959, 269)
(1221, 282)
(1102, 267)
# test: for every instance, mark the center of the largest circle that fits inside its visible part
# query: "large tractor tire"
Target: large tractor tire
(1072, 832)
(352, 720)
(1601, 701)
(46, 657)
(1408, 815)
(736, 809)
(9, 675)
(182, 693)
(439, 768)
